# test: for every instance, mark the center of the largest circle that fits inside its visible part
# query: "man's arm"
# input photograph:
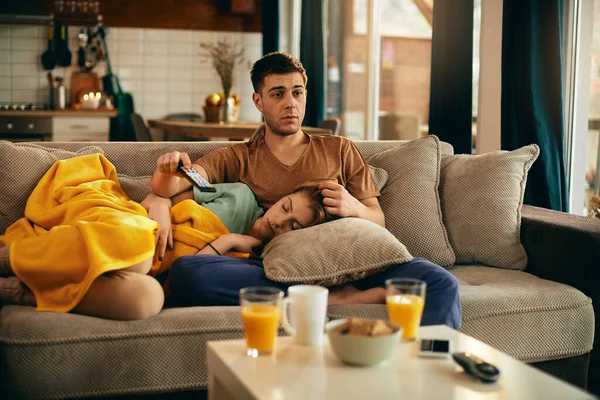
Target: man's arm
(372, 211)
(167, 181)
(338, 201)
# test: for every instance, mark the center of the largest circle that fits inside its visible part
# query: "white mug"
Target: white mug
(307, 306)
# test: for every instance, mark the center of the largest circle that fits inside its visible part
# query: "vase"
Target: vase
(227, 107)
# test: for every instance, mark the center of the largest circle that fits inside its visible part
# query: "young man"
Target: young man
(279, 158)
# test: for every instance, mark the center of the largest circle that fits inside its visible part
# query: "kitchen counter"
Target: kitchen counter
(56, 125)
(61, 113)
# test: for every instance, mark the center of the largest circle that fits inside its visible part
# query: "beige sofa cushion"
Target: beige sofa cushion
(410, 200)
(23, 165)
(333, 253)
(136, 187)
(530, 318)
(482, 198)
(99, 357)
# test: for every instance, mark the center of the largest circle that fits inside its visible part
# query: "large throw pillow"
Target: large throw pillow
(23, 165)
(482, 198)
(380, 176)
(333, 253)
(410, 200)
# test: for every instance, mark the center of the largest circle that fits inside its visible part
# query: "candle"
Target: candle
(90, 101)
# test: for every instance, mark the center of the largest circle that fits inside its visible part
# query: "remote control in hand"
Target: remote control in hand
(198, 180)
(476, 367)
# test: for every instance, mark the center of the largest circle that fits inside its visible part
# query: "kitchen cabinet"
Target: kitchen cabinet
(18, 129)
(78, 129)
(208, 15)
(29, 7)
(63, 126)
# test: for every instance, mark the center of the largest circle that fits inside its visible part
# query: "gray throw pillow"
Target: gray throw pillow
(410, 199)
(23, 165)
(482, 197)
(332, 253)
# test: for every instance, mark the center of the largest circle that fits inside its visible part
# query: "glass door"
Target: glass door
(379, 66)
(395, 37)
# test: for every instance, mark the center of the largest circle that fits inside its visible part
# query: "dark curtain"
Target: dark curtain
(451, 94)
(312, 56)
(270, 26)
(532, 100)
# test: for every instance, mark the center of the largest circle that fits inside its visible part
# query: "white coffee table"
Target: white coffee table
(296, 372)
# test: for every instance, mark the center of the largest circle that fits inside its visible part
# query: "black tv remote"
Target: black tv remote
(476, 367)
(198, 180)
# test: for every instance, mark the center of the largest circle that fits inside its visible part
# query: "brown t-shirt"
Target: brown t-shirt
(333, 158)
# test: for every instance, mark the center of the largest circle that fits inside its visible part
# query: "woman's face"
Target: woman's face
(289, 213)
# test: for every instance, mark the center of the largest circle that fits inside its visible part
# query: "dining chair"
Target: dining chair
(142, 131)
(399, 126)
(332, 123)
(186, 116)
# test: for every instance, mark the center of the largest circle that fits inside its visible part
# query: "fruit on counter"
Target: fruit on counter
(216, 99)
(213, 100)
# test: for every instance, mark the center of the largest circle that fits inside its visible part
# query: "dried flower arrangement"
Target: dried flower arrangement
(225, 56)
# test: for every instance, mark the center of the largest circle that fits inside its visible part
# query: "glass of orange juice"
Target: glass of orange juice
(405, 299)
(261, 313)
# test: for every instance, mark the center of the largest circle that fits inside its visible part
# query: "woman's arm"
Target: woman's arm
(159, 210)
(231, 242)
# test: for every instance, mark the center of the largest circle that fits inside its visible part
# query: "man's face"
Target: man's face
(282, 101)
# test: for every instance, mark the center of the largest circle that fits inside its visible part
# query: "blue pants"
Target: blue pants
(207, 280)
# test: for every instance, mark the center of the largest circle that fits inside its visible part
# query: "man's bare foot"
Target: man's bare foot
(341, 294)
(348, 294)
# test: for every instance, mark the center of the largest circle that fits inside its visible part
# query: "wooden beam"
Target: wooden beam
(426, 9)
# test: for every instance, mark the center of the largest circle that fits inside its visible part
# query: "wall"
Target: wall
(162, 68)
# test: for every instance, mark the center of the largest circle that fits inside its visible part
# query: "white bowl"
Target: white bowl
(362, 350)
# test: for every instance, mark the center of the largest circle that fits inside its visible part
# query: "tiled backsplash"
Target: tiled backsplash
(163, 69)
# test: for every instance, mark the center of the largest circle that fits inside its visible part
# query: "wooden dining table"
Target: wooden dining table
(214, 130)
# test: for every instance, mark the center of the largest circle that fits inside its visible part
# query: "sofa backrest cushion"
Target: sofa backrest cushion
(333, 253)
(139, 159)
(410, 200)
(482, 198)
(23, 165)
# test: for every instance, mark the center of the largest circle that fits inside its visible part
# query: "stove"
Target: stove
(18, 124)
(22, 106)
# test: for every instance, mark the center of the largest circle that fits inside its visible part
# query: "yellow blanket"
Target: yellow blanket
(80, 224)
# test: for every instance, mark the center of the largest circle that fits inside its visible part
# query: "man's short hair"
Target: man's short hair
(275, 63)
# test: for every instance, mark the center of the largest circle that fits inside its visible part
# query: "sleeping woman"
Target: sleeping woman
(83, 246)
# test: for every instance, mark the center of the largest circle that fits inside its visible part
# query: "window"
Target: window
(403, 37)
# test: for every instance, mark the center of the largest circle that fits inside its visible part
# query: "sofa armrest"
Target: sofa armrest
(562, 247)
(565, 248)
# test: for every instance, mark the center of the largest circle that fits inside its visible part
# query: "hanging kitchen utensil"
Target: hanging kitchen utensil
(65, 58)
(121, 126)
(82, 44)
(48, 59)
(59, 43)
(92, 49)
